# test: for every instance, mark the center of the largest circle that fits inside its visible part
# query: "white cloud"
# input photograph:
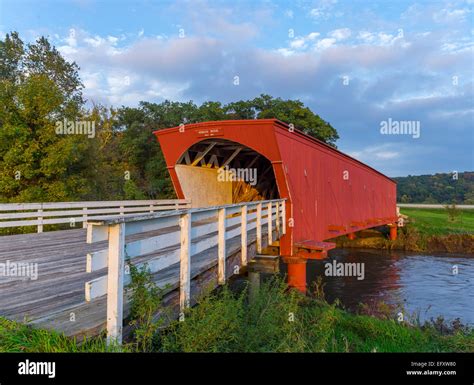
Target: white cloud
(340, 34)
(95, 41)
(325, 43)
(301, 42)
(379, 38)
(112, 40)
(323, 9)
(285, 51)
(298, 43)
(446, 15)
(378, 152)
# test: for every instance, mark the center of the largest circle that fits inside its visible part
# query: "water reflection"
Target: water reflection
(423, 284)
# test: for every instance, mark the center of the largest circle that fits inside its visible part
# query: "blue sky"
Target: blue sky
(355, 63)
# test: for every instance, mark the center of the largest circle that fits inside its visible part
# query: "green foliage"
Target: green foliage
(285, 321)
(289, 111)
(39, 88)
(279, 320)
(145, 303)
(16, 337)
(453, 212)
(438, 188)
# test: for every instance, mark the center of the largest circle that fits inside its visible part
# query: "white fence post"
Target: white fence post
(283, 217)
(243, 236)
(259, 228)
(116, 261)
(185, 262)
(270, 224)
(84, 218)
(278, 218)
(221, 246)
(40, 221)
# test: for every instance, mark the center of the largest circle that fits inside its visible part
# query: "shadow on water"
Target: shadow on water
(423, 284)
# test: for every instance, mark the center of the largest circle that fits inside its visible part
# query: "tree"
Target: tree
(122, 160)
(37, 88)
(295, 112)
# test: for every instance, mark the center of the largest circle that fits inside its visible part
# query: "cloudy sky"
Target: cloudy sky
(358, 64)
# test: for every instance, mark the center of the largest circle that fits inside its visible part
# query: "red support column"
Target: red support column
(393, 232)
(296, 273)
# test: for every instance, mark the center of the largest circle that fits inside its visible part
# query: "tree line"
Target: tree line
(45, 155)
(439, 188)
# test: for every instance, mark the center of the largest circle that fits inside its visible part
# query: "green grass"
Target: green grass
(282, 321)
(278, 321)
(436, 221)
(16, 337)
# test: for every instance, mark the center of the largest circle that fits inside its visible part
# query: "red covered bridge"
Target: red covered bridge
(250, 191)
(328, 193)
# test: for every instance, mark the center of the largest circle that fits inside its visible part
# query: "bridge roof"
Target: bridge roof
(277, 124)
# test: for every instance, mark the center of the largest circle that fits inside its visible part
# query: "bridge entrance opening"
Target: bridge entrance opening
(217, 171)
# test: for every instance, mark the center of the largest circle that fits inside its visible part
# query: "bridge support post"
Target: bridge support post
(393, 232)
(296, 273)
(254, 285)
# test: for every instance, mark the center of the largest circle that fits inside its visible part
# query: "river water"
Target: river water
(425, 285)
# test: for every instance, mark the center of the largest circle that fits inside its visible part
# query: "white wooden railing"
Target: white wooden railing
(39, 214)
(182, 234)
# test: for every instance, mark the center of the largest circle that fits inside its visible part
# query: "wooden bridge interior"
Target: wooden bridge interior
(203, 162)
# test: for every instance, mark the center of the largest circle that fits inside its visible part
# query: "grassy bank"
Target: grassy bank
(17, 337)
(438, 221)
(432, 230)
(278, 321)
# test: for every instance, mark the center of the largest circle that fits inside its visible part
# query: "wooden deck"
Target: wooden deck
(56, 299)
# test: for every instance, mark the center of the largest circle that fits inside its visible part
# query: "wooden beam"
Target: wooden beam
(213, 161)
(269, 222)
(283, 217)
(115, 278)
(243, 236)
(201, 155)
(278, 228)
(40, 221)
(259, 228)
(230, 158)
(185, 157)
(221, 246)
(252, 162)
(185, 262)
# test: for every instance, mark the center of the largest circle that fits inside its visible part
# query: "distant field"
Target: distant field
(436, 221)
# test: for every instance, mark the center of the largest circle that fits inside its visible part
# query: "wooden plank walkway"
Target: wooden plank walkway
(56, 299)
